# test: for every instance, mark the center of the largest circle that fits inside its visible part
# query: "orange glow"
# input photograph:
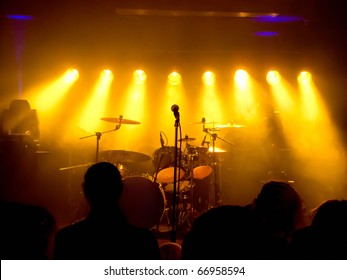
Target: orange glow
(95, 107)
(52, 93)
(174, 78)
(209, 78)
(139, 77)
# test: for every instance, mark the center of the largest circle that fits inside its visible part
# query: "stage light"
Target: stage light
(241, 77)
(95, 108)
(139, 76)
(71, 75)
(51, 94)
(305, 78)
(107, 74)
(174, 78)
(208, 78)
(273, 77)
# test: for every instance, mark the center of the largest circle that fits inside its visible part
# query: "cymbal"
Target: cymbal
(119, 120)
(123, 156)
(203, 122)
(216, 150)
(186, 139)
(228, 125)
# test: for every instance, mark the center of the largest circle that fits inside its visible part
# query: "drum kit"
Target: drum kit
(145, 200)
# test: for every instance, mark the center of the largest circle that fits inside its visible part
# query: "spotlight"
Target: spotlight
(241, 78)
(174, 78)
(273, 77)
(305, 78)
(208, 78)
(71, 75)
(139, 77)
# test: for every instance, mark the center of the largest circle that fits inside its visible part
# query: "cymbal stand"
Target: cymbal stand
(217, 197)
(192, 185)
(99, 134)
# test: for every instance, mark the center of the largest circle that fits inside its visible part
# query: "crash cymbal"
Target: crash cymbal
(228, 125)
(186, 139)
(123, 156)
(216, 150)
(120, 120)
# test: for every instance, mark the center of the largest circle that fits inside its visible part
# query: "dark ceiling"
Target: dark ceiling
(99, 31)
(182, 25)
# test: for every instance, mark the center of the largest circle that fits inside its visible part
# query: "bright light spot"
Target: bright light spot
(174, 78)
(71, 75)
(304, 78)
(241, 77)
(208, 78)
(273, 77)
(310, 106)
(139, 77)
(108, 74)
(95, 108)
(51, 94)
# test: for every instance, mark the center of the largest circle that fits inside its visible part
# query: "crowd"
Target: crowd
(274, 226)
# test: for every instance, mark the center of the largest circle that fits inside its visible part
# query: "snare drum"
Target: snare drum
(163, 161)
(143, 201)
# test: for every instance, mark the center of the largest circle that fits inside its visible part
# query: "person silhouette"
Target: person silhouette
(25, 231)
(105, 232)
(260, 230)
(277, 212)
(326, 237)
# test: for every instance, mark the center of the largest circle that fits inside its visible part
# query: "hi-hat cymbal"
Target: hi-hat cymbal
(119, 120)
(228, 125)
(123, 156)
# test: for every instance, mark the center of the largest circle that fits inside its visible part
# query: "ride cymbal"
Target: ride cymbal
(202, 122)
(228, 125)
(120, 120)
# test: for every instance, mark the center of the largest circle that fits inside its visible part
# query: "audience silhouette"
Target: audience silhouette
(220, 233)
(104, 233)
(260, 230)
(25, 231)
(326, 237)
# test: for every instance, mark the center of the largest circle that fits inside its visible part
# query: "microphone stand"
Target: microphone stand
(175, 192)
(99, 134)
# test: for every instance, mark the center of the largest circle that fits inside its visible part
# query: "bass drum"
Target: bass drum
(143, 201)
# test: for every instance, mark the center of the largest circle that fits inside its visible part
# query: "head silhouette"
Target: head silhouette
(331, 214)
(280, 208)
(102, 185)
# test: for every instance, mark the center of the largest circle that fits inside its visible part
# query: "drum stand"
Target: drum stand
(99, 134)
(217, 191)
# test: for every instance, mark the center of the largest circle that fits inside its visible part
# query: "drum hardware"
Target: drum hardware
(98, 135)
(217, 193)
(123, 156)
(163, 161)
(186, 139)
(119, 121)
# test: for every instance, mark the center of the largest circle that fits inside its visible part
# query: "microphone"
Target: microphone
(203, 141)
(161, 140)
(174, 109)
